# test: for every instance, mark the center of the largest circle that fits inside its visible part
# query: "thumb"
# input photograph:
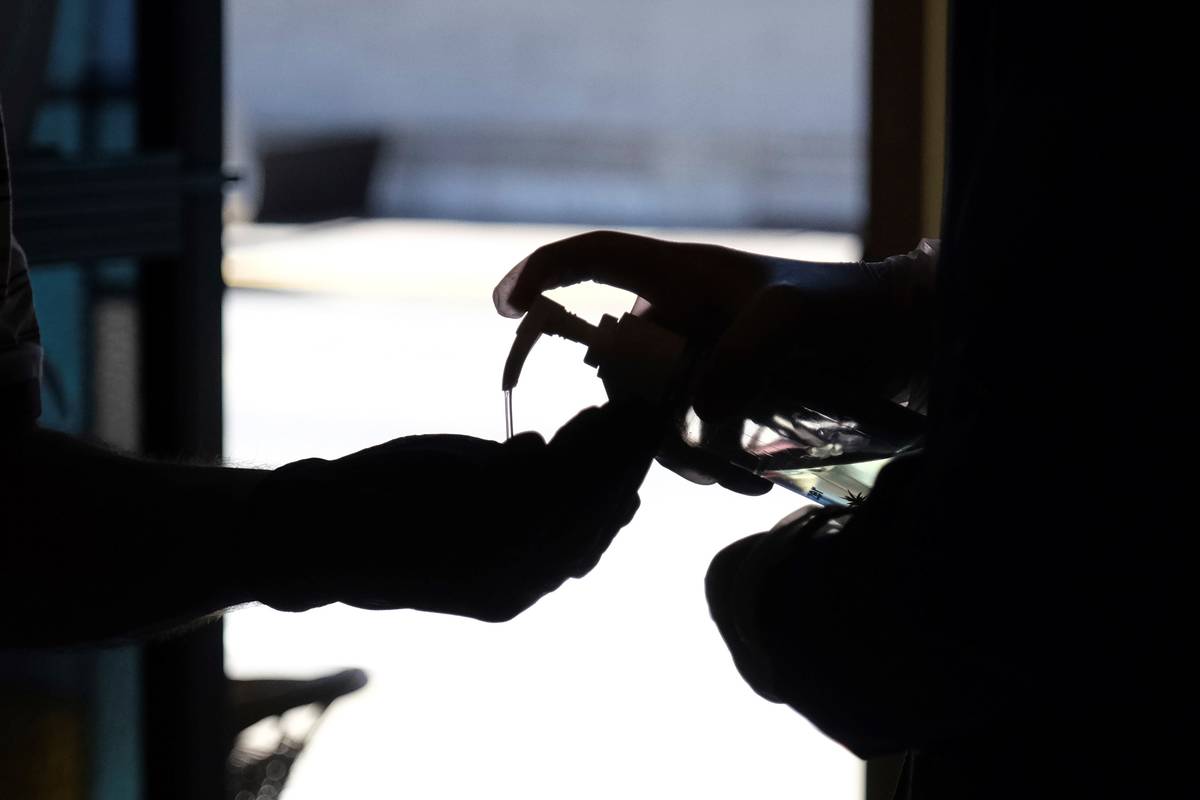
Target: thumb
(618, 438)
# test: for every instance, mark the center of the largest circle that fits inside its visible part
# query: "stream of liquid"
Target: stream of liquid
(508, 425)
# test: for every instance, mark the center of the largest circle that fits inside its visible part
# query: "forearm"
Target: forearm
(99, 545)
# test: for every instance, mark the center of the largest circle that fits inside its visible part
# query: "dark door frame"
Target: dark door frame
(180, 99)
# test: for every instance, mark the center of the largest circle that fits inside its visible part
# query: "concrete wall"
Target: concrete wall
(652, 112)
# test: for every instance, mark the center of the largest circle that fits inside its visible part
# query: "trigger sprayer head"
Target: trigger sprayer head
(544, 316)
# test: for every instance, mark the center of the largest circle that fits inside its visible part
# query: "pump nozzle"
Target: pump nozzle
(544, 316)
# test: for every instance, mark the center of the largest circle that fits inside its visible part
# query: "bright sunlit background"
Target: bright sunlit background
(537, 123)
(614, 686)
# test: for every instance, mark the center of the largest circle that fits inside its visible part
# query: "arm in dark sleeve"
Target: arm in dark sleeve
(931, 620)
(824, 617)
(97, 545)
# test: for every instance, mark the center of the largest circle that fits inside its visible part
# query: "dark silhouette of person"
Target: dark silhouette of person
(98, 545)
(1009, 606)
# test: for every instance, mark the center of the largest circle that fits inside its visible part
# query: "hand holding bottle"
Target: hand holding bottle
(865, 325)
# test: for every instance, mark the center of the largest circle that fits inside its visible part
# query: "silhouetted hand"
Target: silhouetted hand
(451, 523)
(738, 575)
(865, 324)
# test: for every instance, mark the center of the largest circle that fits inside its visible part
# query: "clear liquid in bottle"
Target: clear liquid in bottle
(830, 460)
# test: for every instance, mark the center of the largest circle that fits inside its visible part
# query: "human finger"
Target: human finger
(702, 467)
(657, 270)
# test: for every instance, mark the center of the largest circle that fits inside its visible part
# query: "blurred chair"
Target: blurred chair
(257, 773)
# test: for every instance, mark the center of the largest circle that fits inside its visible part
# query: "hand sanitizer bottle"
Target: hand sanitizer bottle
(822, 440)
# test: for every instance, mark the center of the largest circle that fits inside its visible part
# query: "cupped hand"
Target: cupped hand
(450, 523)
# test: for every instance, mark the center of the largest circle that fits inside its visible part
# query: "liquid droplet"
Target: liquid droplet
(508, 423)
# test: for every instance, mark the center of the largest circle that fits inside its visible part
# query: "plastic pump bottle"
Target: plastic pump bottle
(825, 442)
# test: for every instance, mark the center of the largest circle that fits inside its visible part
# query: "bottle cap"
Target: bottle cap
(544, 316)
(635, 358)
